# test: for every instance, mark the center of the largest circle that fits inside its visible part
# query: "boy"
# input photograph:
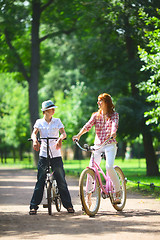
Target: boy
(49, 127)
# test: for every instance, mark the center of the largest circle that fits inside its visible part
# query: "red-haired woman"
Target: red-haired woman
(106, 125)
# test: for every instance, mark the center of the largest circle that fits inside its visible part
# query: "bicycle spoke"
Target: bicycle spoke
(89, 192)
(120, 206)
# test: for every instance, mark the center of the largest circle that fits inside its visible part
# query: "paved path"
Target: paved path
(139, 220)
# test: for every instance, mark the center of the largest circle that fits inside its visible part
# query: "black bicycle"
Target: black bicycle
(51, 188)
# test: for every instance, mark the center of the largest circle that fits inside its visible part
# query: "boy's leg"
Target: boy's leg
(57, 167)
(39, 187)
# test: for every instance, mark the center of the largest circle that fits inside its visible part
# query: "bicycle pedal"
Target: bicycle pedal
(104, 196)
(45, 205)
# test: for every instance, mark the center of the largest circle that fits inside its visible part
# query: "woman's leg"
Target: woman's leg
(110, 153)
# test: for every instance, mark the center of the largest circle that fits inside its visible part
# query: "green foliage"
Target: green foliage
(133, 110)
(14, 116)
(72, 108)
(151, 58)
(86, 48)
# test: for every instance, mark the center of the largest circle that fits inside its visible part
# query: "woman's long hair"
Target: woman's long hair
(108, 101)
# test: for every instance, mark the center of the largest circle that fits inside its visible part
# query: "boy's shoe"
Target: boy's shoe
(33, 212)
(45, 205)
(117, 197)
(70, 210)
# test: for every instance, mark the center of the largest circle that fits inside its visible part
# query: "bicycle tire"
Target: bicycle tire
(58, 203)
(49, 198)
(90, 207)
(120, 174)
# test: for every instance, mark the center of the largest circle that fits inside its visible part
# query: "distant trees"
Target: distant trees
(151, 58)
(72, 51)
(14, 116)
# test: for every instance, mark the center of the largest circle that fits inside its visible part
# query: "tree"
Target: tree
(24, 26)
(109, 50)
(150, 57)
(14, 117)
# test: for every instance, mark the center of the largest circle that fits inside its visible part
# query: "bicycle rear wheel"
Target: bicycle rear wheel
(89, 192)
(120, 174)
(49, 200)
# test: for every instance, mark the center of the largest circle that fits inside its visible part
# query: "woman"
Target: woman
(106, 125)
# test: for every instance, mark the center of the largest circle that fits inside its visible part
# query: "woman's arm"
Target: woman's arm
(114, 128)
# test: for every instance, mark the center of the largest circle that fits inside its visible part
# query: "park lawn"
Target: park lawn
(134, 170)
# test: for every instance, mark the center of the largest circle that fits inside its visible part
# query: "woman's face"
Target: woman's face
(101, 104)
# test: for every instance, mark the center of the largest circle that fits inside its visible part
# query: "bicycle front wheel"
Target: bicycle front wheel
(58, 203)
(89, 192)
(120, 174)
(49, 198)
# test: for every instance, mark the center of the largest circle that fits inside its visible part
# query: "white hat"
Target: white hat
(46, 105)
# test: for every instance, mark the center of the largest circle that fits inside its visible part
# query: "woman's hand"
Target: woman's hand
(76, 137)
(113, 135)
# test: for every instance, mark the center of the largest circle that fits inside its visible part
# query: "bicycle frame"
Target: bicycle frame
(107, 188)
(98, 170)
(92, 188)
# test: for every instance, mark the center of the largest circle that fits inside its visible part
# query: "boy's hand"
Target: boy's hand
(36, 145)
(59, 143)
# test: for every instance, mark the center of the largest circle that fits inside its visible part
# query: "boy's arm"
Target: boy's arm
(36, 144)
(62, 136)
(63, 133)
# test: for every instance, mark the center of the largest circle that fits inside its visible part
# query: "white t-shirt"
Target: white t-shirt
(49, 130)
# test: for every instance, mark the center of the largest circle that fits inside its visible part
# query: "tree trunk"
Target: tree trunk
(151, 160)
(14, 156)
(21, 152)
(77, 153)
(152, 167)
(1, 156)
(35, 64)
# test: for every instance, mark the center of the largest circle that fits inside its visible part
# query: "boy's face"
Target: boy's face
(49, 112)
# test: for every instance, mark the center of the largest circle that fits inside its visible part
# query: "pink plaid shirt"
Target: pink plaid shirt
(103, 128)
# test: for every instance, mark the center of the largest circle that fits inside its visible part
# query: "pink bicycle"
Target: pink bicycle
(91, 186)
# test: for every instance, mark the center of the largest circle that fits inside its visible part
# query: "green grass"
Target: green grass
(134, 170)
(10, 163)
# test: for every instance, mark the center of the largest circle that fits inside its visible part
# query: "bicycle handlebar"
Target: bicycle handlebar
(88, 148)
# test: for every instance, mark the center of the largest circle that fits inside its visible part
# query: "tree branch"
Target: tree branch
(46, 5)
(56, 34)
(16, 55)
